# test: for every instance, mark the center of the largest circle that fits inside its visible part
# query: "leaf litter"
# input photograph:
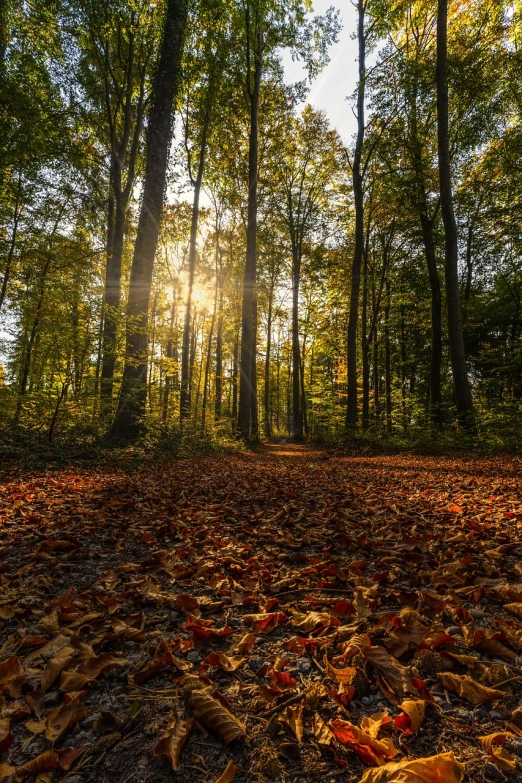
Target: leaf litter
(285, 615)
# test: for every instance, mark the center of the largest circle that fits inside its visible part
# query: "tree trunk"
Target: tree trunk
(297, 415)
(387, 360)
(235, 372)
(131, 404)
(170, 346)
(357, 178)
(436, 317)
(184, 409)
(365, 344)
(433, 273)
(247, 383)
(115, 235)
(463, 396)
(268, 428)
(219, 355)
(209, 354)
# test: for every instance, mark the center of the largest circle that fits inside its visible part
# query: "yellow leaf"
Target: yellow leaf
(468, 688)
(443, 768)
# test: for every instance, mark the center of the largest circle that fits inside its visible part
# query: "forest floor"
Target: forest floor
(281, 615)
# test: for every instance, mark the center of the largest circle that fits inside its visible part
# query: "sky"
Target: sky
(339, 79)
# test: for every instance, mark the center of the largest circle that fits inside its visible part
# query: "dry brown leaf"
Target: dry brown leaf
(55, 666)
(292, 717)
(414, 711)
(64, 718)
(323, 733)
(245, 644)
(92, 668)
(214, 716)
(468, 688)
(228, 664)
(397, 676)
(493, 744)
(6, 771)
(443, 768)
(228, 774)
(173, 740)
(61, 760)
(511, 630)
(349, 734)
(344, 676)
(515, 608)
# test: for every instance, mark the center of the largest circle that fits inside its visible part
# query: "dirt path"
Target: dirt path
(142, 585)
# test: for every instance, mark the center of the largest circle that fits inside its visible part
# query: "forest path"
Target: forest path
(247, 570)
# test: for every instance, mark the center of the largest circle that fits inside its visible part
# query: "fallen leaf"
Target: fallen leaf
(443, 768)
(468, 688)
(173, 740)
(214, 716)
(228, 774)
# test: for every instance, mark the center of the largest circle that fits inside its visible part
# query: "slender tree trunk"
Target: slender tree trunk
(435, 404)
(436, 317)
(209, 355)
(247, 383)
(254, 412)
(115, 236)
(463, 396)
(469, 262)
(132, 400)
(169, 353)
(403, 367)
(268, 428)
(185, 349)
(357, 177)
(219, 355)
(387, 360)
(303, 395)
(365, 344)
(297, 414)
(235, 372)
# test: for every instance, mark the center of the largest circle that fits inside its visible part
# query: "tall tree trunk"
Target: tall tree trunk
(169, 352)
(247, 383)
(297, 414)
(131, 404)
(254, 413)
(463, 396)
(219, 354)
(357, 178)
(184, 409)
(365, 343)
(469, 262)
(124, 153)
(115, 235)
(403, 366)
(235, 372)
(387, 360)
(303, 392)
(436, 317)
(209, 353)
(426, 222)
(268, 427)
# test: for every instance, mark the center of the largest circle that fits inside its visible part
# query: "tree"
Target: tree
(132, 399)
(463, 396)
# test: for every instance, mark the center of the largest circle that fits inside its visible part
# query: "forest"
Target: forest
(260, 391)
(187, 244)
